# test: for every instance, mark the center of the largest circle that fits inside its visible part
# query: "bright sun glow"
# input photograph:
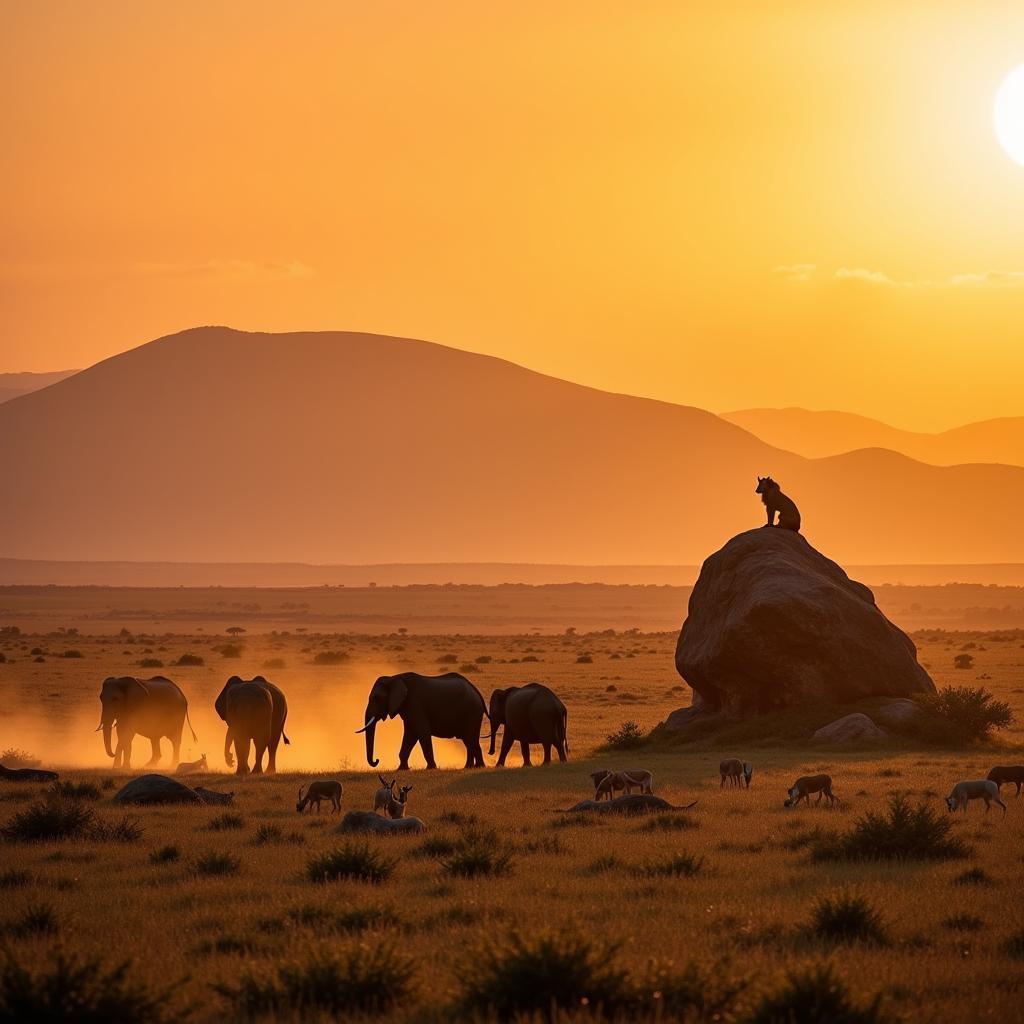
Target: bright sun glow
(1008, 114)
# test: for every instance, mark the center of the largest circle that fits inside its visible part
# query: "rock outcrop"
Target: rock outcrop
(773, 623)
(853, 728)
(160, 789)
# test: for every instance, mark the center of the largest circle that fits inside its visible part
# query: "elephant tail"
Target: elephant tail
(284, 736)
(565, 729)
(190, 729)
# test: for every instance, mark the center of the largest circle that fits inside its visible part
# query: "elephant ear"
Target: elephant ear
(135, 692)
(397, 693)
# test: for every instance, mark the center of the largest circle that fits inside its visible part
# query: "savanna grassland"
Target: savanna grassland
(656, 915)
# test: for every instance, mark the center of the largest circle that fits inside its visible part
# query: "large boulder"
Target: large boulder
(855, 728)
(773, 623)
(156, 789)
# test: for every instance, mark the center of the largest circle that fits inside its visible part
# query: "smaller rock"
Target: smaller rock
(367, 821)
(898, 711)
(26, 775)
(850, 729)
(632, 803)
(156, 789)
(211, 796)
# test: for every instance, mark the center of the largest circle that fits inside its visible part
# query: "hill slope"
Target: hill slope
(820, 434)
(14, 385)
(217, 445)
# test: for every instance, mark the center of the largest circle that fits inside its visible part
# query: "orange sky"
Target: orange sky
(603, 191)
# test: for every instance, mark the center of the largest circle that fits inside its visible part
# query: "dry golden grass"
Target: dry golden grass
(945, 958)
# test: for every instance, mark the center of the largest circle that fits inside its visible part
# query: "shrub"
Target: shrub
(12, 878)
(165, 855)
(151, 663)
(584, 659)
(1014, 946)
(225, 822)
(478, 853)
(267, 834)
(356, 861)
(448, 659)
(436, 846)
(330, 658)
(14, 758)
(963, 661)
(963, 923)
(127, 830)
(963, 714)
(214, 865)
(81, 991)
(973, 876)
(815, 996)
(694, 994)
(904, 833)
(229, 650)
(680, 865)
(554, 971)
(368, 979)
(36, 920)
(628, 736)
(51, 820)
(846, 918)
(72, 654)
(273, 663)
(190, 660)
(76, 790)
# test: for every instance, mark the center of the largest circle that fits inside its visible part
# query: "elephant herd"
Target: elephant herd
(254, 710)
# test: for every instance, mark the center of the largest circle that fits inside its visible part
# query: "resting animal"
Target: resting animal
(1007, 773)
(192, 767)
(976, 789)
(607, 783)
(26, 775)
(732, 769)
(808, 784)
(324, 789)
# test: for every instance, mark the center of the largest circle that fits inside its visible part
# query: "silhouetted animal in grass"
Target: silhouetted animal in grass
(808, 784)
(323, 789)
(974, 789)
(732, 769)
(1008, 773)
(775, 501)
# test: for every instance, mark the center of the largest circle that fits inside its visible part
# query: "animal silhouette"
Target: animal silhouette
(775, 501)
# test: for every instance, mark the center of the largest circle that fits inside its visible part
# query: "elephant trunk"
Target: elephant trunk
(106, 739)
(371, 729)
(494, 735)
(228, 759)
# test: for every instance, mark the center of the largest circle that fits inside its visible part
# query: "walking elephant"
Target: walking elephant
(447, 706)
(153, 708)
(530, 714)
(255, 711)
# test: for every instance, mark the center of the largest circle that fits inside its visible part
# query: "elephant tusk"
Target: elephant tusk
(367, 726)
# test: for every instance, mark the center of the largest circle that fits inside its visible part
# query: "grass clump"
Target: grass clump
(1014, 946)
(215, 865)
(50, 821)
(964, 923)
(367, 979)
(190, 661)
(79, 991)
(904, 832)
(39, 919)
(973, 876)
(669, 823)
(815, 996)
(127, 830)
(542, 975)
(437, 847)
(12, 878)
(76, 790)
(165, 855)
(680, 865)
(356, 861)
(478, 853)
(847, 917)
(330, 658)
(226, 822)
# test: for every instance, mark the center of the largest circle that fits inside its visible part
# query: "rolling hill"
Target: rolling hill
(14, 385)
(217, 445)
(820, 434)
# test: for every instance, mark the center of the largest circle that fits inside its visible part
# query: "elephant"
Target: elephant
(153, 708)
(448, 706)
(530, 714)
(255, 711)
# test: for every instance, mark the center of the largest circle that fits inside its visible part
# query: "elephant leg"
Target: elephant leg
(272, 755)
(560, 748)
(506, 746)
(175, 748)
(242, 754)
(469, 754)
(426, 742)
(155, 759)
(478, 754)
(126, 753)
(408, 742)
(525, 747)
(259, 751)
(547, 753)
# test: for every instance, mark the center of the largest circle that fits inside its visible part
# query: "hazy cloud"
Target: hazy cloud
(804, 272)
(868, 276)
(796, 271)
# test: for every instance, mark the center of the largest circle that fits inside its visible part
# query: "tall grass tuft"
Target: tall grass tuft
(51, 820)
(847, 917)
(679, 865)
(214, 865)
(356, 861)
(904, 832)
(815, 996)
(76, 790)
(363, 979)
(477, 853)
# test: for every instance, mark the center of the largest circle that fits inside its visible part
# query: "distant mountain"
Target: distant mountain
(820, 434)
(13, 385)
(215, 445)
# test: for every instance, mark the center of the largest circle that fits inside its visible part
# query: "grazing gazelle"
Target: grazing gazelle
(324, 789)
(808, 784)
(607, 783)
(976, 789)
(732, 769)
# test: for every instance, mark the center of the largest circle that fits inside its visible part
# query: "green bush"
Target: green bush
(72, 654)
(846, 918)
(628, 736)
(1014, 946)
(356, 861)
(962, 714)
(79, 992)
(973, 876)
(365, 979)
(903, 833)
(273, 663)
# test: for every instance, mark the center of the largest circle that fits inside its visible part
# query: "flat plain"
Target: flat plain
(234, 898)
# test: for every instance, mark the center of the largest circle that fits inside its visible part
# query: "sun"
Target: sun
(1008, 114)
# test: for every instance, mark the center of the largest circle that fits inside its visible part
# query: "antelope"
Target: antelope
(607, 783)
(396, 804)
(732, 768)
(384, 795)
(192, 767)
(1007, 773)
(976, 789)
(323, 789)
(808, 784)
